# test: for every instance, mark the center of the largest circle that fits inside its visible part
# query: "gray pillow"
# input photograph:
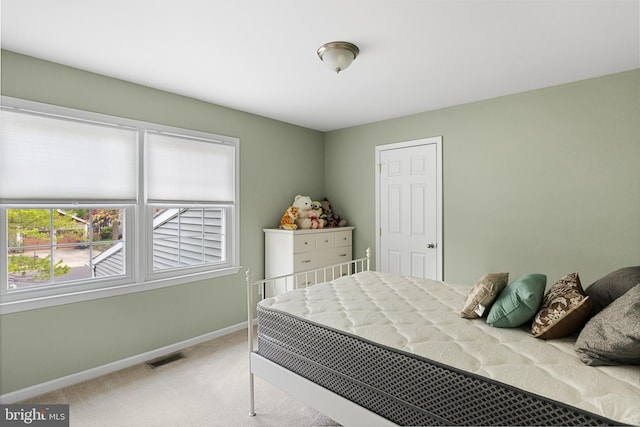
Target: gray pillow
(612, 337)
(604, 291)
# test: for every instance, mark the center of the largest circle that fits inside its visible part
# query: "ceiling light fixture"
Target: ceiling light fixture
(338, 55)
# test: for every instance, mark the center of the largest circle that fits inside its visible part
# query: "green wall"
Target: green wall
(544, 181)
(79, 336)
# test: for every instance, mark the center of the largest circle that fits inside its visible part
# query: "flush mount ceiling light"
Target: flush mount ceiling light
(338, 55)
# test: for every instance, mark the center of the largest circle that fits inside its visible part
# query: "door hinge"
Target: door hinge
(379, 167)
(380, 231)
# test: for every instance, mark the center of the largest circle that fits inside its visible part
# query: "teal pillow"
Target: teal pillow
(518, 302)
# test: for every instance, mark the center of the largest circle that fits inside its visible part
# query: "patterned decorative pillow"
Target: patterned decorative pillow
(482, 295)
(565, 309)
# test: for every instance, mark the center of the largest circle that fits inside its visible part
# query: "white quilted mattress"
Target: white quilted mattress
(419, 316)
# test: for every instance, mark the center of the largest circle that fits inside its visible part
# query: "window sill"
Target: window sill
(105, 292)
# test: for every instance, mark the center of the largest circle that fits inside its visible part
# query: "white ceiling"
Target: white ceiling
(260, 56)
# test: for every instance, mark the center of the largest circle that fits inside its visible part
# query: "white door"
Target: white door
(409, 208)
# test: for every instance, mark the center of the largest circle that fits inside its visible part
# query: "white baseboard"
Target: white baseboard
(58, 383)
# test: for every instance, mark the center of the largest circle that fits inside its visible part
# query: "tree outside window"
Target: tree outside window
(57, 245)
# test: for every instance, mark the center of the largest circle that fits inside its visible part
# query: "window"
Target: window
(182, 169)
(188, 236)
(48, 247)
(94, 205)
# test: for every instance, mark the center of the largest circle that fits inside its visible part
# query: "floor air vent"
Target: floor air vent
(165, 360)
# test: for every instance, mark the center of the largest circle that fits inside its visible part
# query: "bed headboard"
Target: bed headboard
(272, 286)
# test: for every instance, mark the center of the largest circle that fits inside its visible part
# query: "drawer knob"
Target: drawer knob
(306, 261)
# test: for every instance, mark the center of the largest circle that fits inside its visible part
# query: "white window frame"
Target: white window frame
(139, 276)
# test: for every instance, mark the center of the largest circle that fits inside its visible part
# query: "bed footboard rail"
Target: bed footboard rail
(263, 288)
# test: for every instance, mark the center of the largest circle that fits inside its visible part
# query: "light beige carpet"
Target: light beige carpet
(209, 387)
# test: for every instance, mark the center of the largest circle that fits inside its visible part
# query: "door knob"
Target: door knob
(431, 245)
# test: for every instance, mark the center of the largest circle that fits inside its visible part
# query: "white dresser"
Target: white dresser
(291, 251)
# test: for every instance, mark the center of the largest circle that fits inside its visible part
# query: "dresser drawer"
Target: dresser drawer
(304, 243)
(307, 261)
(311, 260)
(325, 240)
(304, 280)
(343, 238)
(338, 255)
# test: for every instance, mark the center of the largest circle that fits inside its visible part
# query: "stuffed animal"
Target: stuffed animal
(333, 219)
(303, 203)
(288, 221)
(316, 215)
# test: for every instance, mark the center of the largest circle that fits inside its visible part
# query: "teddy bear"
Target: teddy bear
(288, 221)
(303, 203)
(333, 219)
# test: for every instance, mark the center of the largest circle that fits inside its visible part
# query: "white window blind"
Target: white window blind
(46, 157)
(189, 169)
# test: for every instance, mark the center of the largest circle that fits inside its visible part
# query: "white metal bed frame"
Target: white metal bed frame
(325, 401)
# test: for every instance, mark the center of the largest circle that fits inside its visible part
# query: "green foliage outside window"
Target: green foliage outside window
(39, 267)
(38, 230)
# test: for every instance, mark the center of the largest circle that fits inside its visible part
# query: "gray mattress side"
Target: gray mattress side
(405, 388)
